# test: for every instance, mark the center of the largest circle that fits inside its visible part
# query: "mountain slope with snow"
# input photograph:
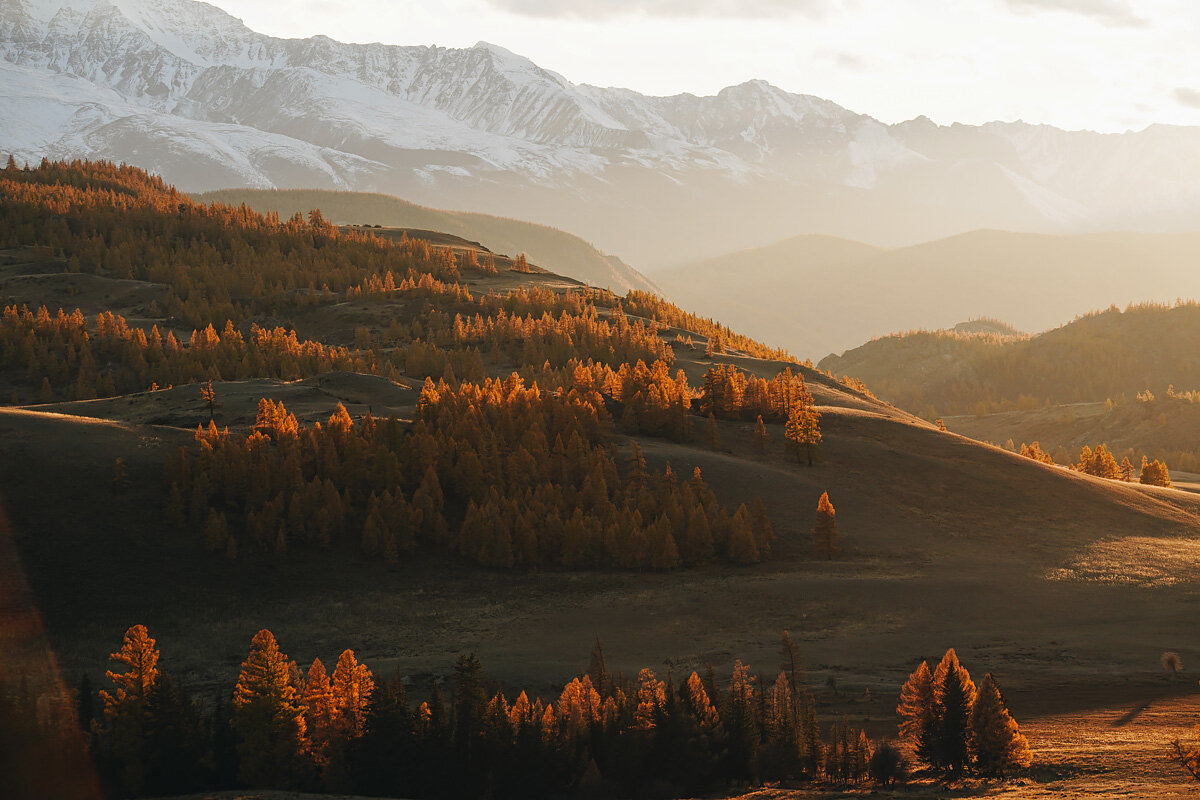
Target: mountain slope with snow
(184, 89)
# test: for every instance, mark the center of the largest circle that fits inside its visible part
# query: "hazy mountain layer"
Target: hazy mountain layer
(562, 252)
(817, 295)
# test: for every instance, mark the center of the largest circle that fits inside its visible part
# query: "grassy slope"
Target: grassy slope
(569, 254)
(941, 533)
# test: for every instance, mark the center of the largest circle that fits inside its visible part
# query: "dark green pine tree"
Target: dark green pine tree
(954, 694)
(382, 758)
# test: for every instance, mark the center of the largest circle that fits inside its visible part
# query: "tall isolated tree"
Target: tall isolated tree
(209, 396)
(760, 436)
(825, 531)
(266, 716)
(996, 741)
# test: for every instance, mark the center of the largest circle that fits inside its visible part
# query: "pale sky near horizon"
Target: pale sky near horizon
(1107, 65)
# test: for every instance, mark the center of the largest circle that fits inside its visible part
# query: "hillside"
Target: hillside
(1166, 427)
(1104, 355)
(624, 510)
(188, 91)
(570, 255)
(818, 297)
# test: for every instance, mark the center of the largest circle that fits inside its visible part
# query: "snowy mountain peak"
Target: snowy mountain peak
(185, 89)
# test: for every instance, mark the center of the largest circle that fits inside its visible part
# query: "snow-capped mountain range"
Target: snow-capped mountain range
(184, 89)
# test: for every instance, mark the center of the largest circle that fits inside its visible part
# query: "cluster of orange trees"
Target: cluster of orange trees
(292, 728)
(721, 338)
(545, 490)
(217, 261)
(1101, 463)
(502, 473)
(954, 725)
(66, 360)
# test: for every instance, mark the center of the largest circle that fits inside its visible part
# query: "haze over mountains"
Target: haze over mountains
(817, 295)
(184, 89)
(569, 255)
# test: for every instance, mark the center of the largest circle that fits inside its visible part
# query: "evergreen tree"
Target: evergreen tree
(953, 696)
(996, 740)
(317, 705)
(743, 549)
(825, 532)
(1126, 471)
(597, 670)
(714, 434)
(803, 430)
(266, 717)
(125, 707)
(383, 757)
(175, 740)
(916, 711)
(1154, 473)
(209, 396)
(741, 722)
(350, 694)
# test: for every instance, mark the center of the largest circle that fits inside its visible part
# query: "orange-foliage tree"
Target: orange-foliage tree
(953, 725)
(529, 474)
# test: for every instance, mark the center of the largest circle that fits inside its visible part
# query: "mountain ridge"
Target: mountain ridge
(813, 300)
(187, 90)
(566, 254)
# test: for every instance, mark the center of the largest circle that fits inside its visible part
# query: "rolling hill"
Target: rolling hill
(818, 296)
(570, 255)
(1103, 355)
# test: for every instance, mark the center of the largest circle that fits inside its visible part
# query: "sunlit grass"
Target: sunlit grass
(1135, 560)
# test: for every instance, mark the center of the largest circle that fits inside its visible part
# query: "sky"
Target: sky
(1105, 65)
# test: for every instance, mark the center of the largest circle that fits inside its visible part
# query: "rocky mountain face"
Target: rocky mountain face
(184, 89)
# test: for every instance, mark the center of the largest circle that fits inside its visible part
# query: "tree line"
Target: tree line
(308, 728)
(1101, 463)
(59, 357)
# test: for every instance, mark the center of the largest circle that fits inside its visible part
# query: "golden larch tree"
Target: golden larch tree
(318, 709)
(916, 706)
(803, 430)
(825, 531)
(996, 741)
(351, 686)
(266, 716)
(139, 656)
